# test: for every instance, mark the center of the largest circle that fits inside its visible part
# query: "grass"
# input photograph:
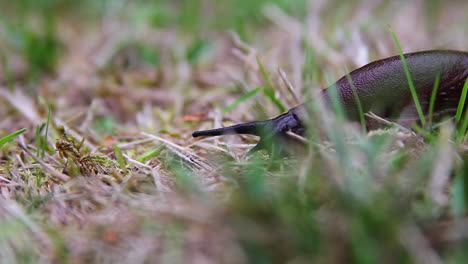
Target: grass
(10, 137)
(410, 80)
(461, 104)
(464, 125)
(241, 99)
(433, 99)
(126, 183)
(269, 90)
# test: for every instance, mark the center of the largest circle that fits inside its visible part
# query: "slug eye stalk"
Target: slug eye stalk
(252, 128)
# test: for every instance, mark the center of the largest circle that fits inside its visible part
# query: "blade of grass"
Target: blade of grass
(39, 138)
(44, 141)
(337, 106)
(120, 158)
(433, 97)
(310, 72)
(358, 102)
(410, 80)
(424, 133)
(269, 90)
(241, 99)
(464, 126)
(150, 153)
(47, 167)
(462, 130)
(461, 103)
(9, 137)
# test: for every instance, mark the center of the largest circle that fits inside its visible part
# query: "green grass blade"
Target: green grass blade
(150, 153)
(44, 141)
(120, 158)
(427, 135)
(461, 103)
(336, 103)
(464, 126)
(462, 130)
(241, 99)
(197, 50)
(433, 97)
(358, 102)
(269, 90)
(410, 80)
(38, 139)
(6, 139)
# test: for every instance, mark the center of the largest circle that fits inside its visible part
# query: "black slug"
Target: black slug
(382, 87)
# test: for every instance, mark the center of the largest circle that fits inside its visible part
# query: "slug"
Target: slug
(382, 87)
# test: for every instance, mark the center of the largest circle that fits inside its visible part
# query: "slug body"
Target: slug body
(382, 87)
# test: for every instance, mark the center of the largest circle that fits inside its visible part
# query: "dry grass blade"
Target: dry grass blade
(419, 245)
(385, 121)
(55, 173)
(22, 103)
(290, 87)
(184, 153)
(297, 137)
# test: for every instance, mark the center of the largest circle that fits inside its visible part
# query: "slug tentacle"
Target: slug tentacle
(252, 128)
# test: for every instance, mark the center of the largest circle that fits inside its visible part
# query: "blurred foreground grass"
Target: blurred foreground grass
(109, 92)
